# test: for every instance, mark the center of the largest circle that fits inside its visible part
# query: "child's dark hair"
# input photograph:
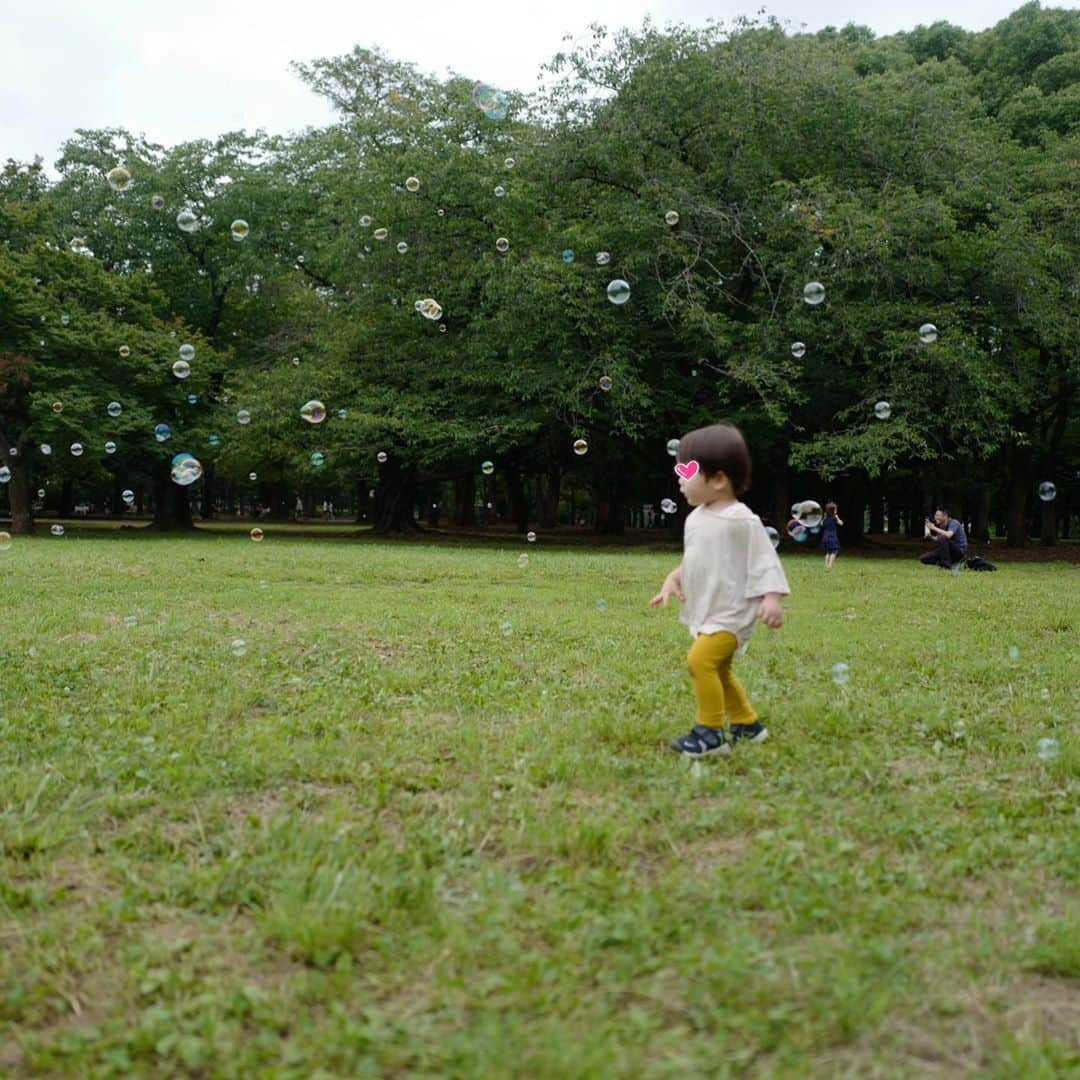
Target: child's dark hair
(719, 448)
(830, 508)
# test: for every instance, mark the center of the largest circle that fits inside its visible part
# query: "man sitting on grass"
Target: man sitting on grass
(951, 546)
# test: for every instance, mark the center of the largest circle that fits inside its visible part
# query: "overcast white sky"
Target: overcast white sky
(188, 71)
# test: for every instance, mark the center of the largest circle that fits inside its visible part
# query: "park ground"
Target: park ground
(343, 808)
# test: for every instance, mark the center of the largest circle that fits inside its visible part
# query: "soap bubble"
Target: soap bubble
(928, 333)
(502, 245)
(581, 447)
(798, 349)
(252, 476)
(484, 97)
(256, 534)
(114, 408)
(57, 407)
(213, 440)
(124, 351)
(5, 474)
(797, 531)
(46, 449)
(506, 628)
(41, 495)
(119, 178)
(813, 293)
(187, 221)
(840, 673)
(487, 468)
(882, 410)
(442, 328)
(500, 191)
(77, 245)
(601, 605)
(810, 514)
(65, 319)
(530, 537)
(314, 412)
(181, 369)
(192, 399)
(523, 560)
(342, 414)
(669, 506)
(187, 352)
(673, 447)
(157, 202)
(5, 541)
(501, 107)
(381, 234)
(381, 457)
(239, 229)
(110, 447)
(1047, 749)
(603, 258)
(412, 184)
(431, 309)
(162, 432)
(318, 458)
(1047, 491)
(76, 449)
(402, 247)
(605, 383)
(128, 496)
(185, 469)
(1014, 652)
(243, 417)
(618, 292)
(131, 620)
(773, 535)
(238, 646)
(671, 217)
(57, 530)
(568, 255)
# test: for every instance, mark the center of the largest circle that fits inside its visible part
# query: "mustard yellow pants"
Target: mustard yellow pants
(718, 691)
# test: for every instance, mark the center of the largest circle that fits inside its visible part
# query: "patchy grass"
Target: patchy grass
(427, 825)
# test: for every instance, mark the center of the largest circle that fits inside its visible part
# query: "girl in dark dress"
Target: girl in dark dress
(830, 539)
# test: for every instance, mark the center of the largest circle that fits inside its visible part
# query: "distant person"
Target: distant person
(730, 577)
(326, 509)
(299, 508)
(830, 537)
(951, 541)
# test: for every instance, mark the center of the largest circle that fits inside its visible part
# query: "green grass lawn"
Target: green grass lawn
(427, 823)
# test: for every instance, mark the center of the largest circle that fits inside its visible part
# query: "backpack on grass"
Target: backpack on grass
(977, 562)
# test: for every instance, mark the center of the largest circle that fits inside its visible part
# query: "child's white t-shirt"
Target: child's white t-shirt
(728, 564)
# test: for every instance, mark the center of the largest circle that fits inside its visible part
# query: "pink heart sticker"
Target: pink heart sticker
(687, 471)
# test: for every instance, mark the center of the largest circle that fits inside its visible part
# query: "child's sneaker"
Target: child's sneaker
(755, 732)
(701, 742)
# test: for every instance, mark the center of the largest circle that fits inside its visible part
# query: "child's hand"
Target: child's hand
(770, 612)
(672, 587)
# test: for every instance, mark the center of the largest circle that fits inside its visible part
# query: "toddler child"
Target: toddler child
(730, 577)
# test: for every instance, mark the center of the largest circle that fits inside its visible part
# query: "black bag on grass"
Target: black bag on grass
(977, 562)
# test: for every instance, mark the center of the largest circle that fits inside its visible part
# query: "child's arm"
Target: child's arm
(672, 587)
(770, 612)
(839, 520)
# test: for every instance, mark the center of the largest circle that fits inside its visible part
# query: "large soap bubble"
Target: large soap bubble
(185, 469)
(618, 292)
(119, 178)
(813, 293)
(314, 412)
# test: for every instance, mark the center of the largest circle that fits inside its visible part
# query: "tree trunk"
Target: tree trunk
(549, 486)
(18, 490)
(209, 491)
(67, 497)
(465, 500)
(395, 498)
(980, 529)
(1018, 469)
(519, 505)
(172, 506)
(1048, 524)
(877, 510)
(117, 506)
